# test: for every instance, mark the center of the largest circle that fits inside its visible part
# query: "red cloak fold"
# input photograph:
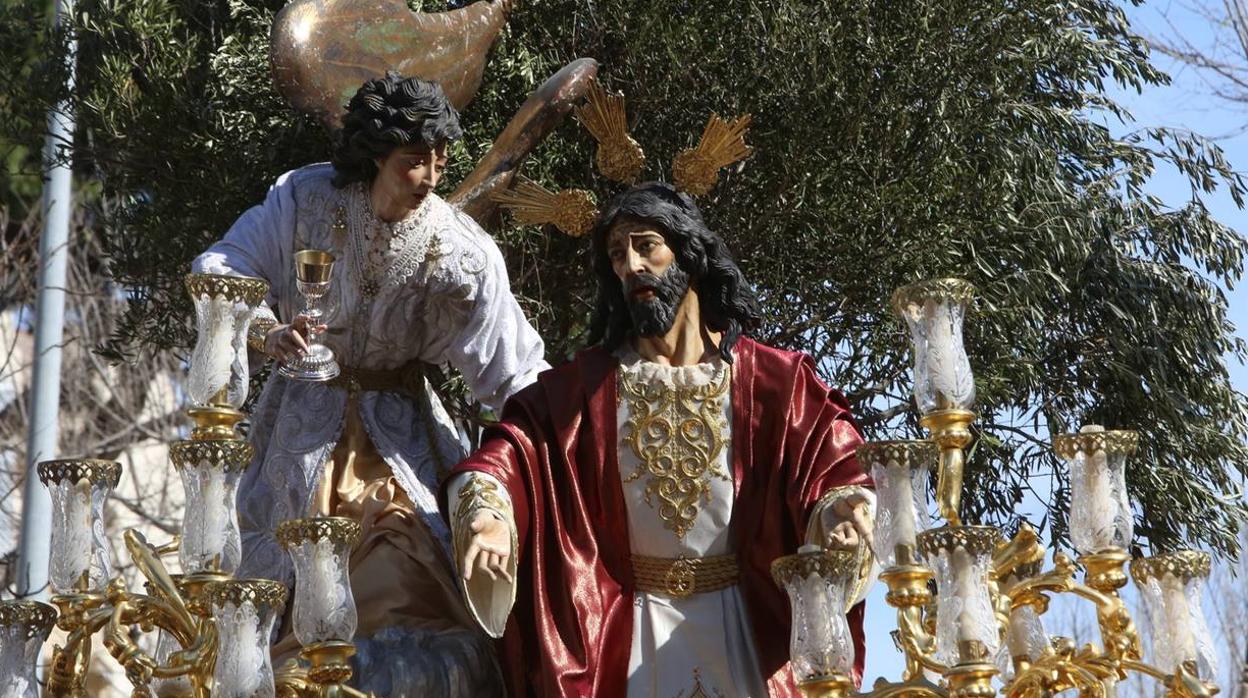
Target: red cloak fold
(570, 632)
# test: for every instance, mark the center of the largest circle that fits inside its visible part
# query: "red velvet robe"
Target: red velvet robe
(555, 450)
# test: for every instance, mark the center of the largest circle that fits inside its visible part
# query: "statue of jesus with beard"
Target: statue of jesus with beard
(617, 527)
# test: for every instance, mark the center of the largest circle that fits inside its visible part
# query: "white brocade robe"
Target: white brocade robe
(681, 644)
(445, 299)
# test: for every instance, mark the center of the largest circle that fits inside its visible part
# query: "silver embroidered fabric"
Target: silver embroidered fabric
(455, 307)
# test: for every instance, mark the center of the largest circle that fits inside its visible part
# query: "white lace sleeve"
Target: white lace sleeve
(496, 349)
(258, 244)
(489, 600)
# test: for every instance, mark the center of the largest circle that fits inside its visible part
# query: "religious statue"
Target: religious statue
(617, 526)
(415, 283)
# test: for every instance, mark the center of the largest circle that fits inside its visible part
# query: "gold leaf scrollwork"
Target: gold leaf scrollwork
(678, 434)
(478, 493)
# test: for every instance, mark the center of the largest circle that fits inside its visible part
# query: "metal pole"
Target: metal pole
(45, 401)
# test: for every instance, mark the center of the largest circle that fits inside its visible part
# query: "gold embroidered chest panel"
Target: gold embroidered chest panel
(678, 432)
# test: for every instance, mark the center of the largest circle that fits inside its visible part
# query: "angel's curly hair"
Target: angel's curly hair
(388, 113)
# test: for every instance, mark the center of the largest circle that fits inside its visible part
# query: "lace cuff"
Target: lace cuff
(489, 600)
(824, 518)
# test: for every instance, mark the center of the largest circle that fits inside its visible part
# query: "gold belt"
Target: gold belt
(682, 576)
(407, 379)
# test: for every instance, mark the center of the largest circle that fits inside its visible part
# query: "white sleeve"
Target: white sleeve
(489, 600)
(258, 244)
(496, 349)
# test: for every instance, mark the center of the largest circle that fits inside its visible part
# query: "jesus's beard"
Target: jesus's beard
(653, 317)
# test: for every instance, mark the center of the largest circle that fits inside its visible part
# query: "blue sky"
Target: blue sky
(1186, 103)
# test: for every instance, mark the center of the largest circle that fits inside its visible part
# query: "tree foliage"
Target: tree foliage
(894, 141)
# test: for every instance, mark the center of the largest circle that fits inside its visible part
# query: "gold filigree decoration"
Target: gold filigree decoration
(696, 170)
(238, 289)
(258, 331)
(336, 529)
(1184, 565)
(938, 290)
(829, 564)
(976, 540)
(74, 469)
(34, 618)
(619, 156)
(571, 210)
(678, 434)
(1067, 446)
(264, 594)
(907, 454)
(479, 492)
(230, 455)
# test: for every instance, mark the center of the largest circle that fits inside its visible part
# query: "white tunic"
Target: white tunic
(674, 426)
(444, 297)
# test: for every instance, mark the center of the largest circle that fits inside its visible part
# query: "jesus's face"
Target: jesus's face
(653, 282)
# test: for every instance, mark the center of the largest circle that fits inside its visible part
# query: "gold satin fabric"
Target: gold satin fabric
(398, 575)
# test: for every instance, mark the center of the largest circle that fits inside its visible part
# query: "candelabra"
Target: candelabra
(969, 602)
(213, 629)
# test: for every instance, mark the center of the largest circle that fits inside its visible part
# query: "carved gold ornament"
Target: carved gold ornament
(238, 289)
(93, 470)
(34, 618)
(906, 454)
(1067, 446)
(264, 594)
(937, 290)
(696, 170)
(230, 455)
(336, 529)
(620, 158)
(1184, 565)
(571, 210)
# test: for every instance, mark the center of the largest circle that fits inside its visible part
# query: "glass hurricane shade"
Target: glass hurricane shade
(1100, 511)
(79, 558)
(900, 470)
(244, 612)
(324, 607)
(817, 582)
(934, 312)
(24, 627)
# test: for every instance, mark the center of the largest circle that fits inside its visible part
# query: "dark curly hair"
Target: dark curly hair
(728, 303)
(388, 113)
